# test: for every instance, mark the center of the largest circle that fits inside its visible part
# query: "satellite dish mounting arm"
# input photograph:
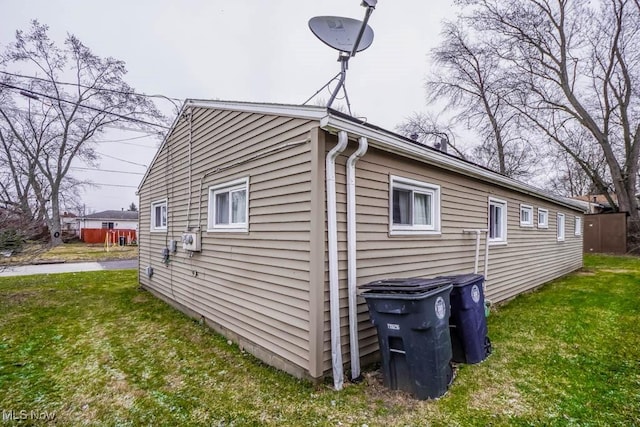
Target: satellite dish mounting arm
(370, 5)
(344, 57)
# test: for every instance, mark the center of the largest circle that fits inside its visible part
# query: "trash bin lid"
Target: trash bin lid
(462, 279)
(413, 284)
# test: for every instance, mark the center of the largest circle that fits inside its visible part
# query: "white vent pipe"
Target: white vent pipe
(332, 237)
(351, 257)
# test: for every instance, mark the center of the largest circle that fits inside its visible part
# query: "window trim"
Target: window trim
(561, 231)
(154, 226)
(421, 187)
(577, 231)
(546, 223)
(527, 208)
(228, 187)
(503, 239)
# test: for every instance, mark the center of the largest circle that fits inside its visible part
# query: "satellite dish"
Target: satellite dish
(346, 35)
(341, 33)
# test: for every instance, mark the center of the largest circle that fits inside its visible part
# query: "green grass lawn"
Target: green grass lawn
(95, 350)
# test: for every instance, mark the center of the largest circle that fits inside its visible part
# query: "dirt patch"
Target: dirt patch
(18, 297)
(584, 273)
(140, 298)
(392, 399)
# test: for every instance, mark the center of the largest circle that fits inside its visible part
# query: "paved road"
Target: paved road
(68, 267)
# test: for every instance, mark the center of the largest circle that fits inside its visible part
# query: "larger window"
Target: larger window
(159, 215)
(414, 207)
(497, 221)
(229, 206)
(560, 227)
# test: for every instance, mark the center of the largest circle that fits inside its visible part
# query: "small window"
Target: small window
(543, 218)
(497, 221)
(108, 225)
(229, 206)
(526, 216)
(578, 229)
(414, 207)
(159, 215)
(560, 229)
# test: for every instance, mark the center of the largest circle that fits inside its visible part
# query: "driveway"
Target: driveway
(68, 267)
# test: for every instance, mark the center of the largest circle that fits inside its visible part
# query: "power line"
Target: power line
(125, 139)
(122, 160)
(97, 89)
(105, 170)
(36, 94)
(114, 185)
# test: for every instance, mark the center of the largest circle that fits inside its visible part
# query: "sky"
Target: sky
(240, 50)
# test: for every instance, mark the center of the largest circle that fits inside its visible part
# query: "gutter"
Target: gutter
(390, 142)
(332, 237)
(354, 341)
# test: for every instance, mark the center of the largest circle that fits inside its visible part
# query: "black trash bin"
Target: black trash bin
(412, 320)
(468, 323)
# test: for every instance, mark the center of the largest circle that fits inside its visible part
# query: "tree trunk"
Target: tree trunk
(55, 230)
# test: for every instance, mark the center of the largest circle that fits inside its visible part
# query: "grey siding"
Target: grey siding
(251, 286)
(530, 258)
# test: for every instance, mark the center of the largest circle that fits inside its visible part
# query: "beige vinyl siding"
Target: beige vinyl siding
(530, 258)
(252, 286)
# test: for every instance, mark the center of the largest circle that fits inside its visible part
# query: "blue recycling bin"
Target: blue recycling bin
(412, 320)
(468, 323)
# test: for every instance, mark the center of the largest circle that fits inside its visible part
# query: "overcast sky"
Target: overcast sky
(241, 50)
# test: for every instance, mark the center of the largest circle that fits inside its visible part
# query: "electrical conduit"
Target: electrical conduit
(351, 257)
(332, 231)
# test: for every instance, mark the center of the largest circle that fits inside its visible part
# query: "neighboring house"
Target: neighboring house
(69, 224)
(273, 253)
(596, 204)
(116, 226)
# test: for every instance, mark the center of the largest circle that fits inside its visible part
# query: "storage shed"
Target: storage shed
(261, 220)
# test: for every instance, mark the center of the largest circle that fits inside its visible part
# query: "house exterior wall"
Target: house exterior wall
(531, 256)
(267, 288)
(117, 223)
(253, 286)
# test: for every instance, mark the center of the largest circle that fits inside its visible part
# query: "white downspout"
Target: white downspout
(332, 237)
(478, 232)
(486, 262)
(351, 257)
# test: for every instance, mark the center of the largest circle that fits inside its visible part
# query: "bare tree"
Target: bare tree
(576, 66)
(470, 78)
(51, 119)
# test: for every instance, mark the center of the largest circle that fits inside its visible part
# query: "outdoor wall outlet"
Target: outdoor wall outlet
(173, 246)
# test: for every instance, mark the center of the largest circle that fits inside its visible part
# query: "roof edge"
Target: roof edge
(392, 142)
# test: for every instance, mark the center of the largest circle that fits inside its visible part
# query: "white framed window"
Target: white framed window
(159, 215)
(526, 216)
(229, 206)
(497, 220)
(414, 207)
(543, 218)
(560, 227)
(578, 226)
